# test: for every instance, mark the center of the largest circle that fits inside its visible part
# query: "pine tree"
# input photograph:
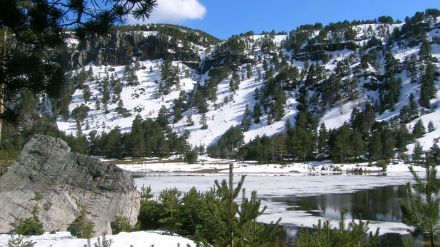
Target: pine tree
(33, 32)
(113, 147)
(427, 89)
(340, 143)
(245, 121)
(280, 102)
(244, 229)
(357, 144)
(417, 155)
(412, 68)
(301, 143)
(413, 108)
(189, 120)
(97, 104)
(178, 107)
(257, 112)
(391, 92)
(431, 127)
(388, 142)
(117, 87)
(422, 209)
(323, 148)
(136, 139)
(323, 234)
(105, 94)
(403, 138)
(248, 71)
(169, 76)
(130, 76)
(203, 121)
(162, 117)
(169, 200)
(86, 93)
(425, 50)
(418, 129)
(191, 156)
(375, 147)
(235, 81)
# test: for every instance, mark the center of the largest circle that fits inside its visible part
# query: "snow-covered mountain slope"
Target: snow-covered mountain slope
(143, 98)
(251, 57)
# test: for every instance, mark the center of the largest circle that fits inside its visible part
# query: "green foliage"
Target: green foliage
(149, 213)
(418, 129)
(390, 92)
(120, 109)
(8, 151)
(147, 138)
(431, 127)
(120, 224)
(427, 89)
(179, 106)
(422, 209)
(169, 76)
(409, 112)
(19, 242)
(257, 113)
(210, 218)
(162, 117)
(169, 201)
(361, 139)
(425, 50)
(28, 226)
(246, 121)
(81, 227)
(130, 75)
(80, 113)
(340, 143)
(191, 156)
(203, 121)
(256, 150)
(417, 155)
(234, 83)
(324, 235)
(280, 103)
(34, 35)
(228, 144)
(176, 31)
(385, 19)
(242, 230)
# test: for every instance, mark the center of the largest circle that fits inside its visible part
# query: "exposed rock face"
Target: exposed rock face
(60, 182)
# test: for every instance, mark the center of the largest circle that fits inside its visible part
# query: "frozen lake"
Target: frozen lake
(301, 200)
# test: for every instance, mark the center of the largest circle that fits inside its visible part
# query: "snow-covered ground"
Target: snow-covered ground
(135, 239)
(142, 99)
(208, 166)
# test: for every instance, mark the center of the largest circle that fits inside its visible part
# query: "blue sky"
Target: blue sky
(224, 18)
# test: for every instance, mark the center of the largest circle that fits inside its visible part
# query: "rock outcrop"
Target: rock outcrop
(48, 175)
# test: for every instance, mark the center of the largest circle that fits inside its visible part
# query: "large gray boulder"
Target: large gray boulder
(61, 182)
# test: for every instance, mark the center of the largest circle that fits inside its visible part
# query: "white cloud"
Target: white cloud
(174, 11)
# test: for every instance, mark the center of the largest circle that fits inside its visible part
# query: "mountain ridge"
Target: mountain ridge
(332, 69)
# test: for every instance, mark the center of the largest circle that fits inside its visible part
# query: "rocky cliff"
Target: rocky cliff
(60, 182)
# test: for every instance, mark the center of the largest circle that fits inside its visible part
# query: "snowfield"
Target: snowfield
(208, 166)
(228, 109)
(142, 99)
(123, 239)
